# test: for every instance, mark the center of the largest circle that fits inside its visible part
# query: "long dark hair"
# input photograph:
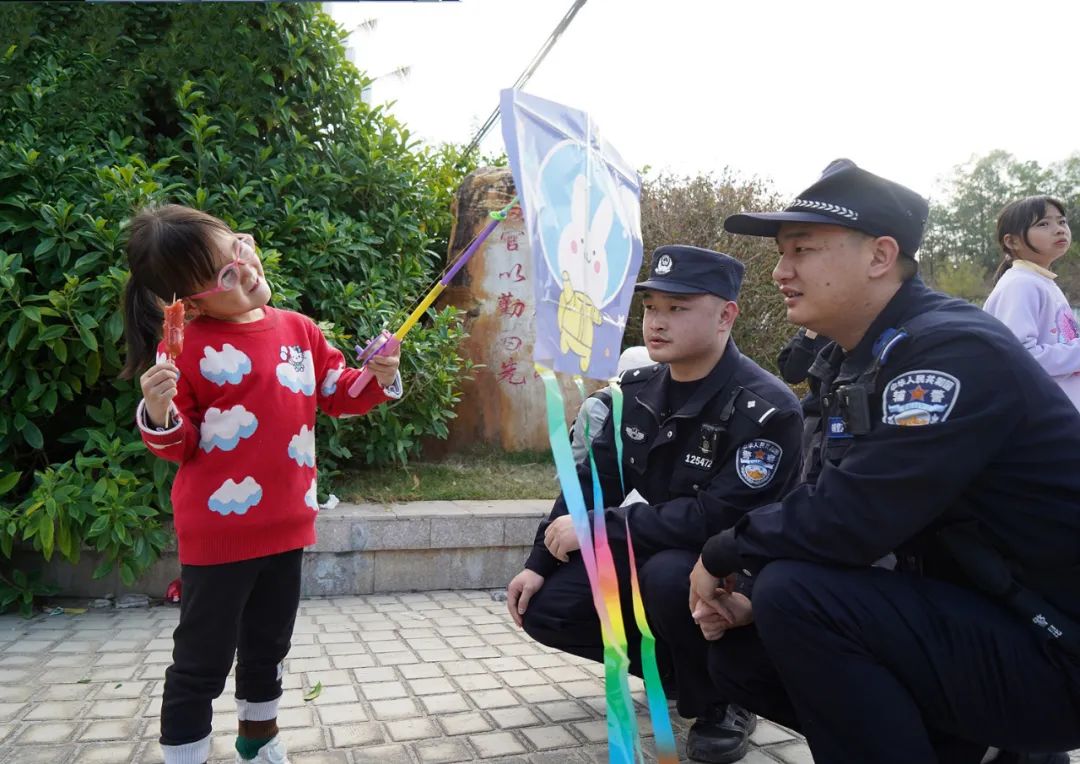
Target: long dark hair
(170, 254)
(1016, 219)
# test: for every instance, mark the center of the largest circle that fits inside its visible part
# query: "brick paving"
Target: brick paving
(422, 678)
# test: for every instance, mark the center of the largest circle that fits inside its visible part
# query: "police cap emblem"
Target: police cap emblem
(663, 265)
(757, 461)
(918, 398)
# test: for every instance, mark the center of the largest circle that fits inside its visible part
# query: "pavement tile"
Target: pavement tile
(496, 744)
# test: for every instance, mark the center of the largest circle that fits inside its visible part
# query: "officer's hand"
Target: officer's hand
(520, 590)
(703, 586)
(740, 610)
(560, 539)
(713, 622)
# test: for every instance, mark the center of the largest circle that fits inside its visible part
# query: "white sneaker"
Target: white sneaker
(272, 753)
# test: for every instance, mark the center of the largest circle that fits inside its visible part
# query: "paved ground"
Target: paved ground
(421, 678)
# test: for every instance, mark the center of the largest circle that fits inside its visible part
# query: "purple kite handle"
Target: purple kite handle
(390, 343)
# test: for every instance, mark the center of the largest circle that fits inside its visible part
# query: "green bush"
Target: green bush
(248, 111)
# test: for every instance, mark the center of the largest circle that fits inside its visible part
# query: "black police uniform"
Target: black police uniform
(796, 364)
(945, 442)
(732, 445)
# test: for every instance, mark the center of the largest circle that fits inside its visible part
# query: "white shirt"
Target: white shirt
(1027, 300)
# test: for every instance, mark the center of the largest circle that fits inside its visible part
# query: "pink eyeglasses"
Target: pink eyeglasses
(229, 276)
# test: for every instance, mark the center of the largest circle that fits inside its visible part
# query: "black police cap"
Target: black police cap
(849, 196)
(681, 269)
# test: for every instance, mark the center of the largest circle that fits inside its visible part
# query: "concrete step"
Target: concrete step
(365, 549)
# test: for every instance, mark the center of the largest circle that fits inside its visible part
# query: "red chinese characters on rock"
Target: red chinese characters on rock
(510, 238)
(509, 305)
(510, 343)
(515, 274)
(509, 373)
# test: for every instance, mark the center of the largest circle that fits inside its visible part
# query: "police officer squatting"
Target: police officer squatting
(707, 436)
(917, 598)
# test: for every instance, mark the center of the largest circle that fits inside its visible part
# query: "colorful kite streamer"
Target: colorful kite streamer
(582, 210)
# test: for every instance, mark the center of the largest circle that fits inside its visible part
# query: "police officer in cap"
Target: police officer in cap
(944, 442)
(706, 435)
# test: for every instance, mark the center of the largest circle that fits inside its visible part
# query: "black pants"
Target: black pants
(246, 609)
(879, 666)
(562, 615)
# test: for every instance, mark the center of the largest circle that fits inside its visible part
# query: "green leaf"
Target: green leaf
(32, 435)
(314, 692)
(46, 531)
(8, 481)
(16, 331)
(87, 337)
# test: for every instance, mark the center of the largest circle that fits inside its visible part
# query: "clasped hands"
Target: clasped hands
(714, 605)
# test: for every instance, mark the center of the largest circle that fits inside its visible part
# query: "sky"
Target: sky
(774, 89)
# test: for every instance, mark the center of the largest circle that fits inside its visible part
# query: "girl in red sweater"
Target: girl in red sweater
(236, 410)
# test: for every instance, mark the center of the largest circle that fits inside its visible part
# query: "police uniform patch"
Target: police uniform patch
(634, 434)
(918, 398)
(757, 461)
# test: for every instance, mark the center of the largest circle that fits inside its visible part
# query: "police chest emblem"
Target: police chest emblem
(634, 434)
(663, 265)
(919, 398)
(757, 462)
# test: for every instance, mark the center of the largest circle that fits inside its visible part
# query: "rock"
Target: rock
(499, 595)
(133, 600)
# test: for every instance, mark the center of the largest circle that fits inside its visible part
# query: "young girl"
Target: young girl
(236, 410)
(1033, 233)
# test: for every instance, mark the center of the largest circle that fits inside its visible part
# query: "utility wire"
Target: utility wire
(525, 75)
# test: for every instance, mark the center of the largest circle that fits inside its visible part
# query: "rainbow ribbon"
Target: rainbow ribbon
(624, 746)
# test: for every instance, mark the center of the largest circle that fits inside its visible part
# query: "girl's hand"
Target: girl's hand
(159, 388)
(384, 367)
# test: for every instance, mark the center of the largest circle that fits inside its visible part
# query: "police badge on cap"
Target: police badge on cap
(681, 269)
(849, 196)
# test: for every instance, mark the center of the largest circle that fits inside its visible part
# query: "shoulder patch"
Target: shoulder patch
(917, 398)
(757, 461)
(752, 406)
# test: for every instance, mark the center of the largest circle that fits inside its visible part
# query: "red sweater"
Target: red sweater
(243, 433)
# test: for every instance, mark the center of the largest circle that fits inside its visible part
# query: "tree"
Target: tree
(961, 228)
(248, 111)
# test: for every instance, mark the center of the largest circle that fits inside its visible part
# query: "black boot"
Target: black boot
(1008, 757)
(721, 735)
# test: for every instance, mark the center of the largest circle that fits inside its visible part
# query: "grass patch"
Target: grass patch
(480, 475)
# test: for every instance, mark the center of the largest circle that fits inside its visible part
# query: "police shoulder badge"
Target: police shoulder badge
(918, 398)
(757, 461)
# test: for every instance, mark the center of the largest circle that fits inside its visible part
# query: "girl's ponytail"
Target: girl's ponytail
(1004, 265)
(170, 254)
(142, 325)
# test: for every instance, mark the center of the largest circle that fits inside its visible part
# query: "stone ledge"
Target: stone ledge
(428, 525)
(368, 548)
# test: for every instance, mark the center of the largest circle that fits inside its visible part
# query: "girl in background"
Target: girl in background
(1033, 234)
